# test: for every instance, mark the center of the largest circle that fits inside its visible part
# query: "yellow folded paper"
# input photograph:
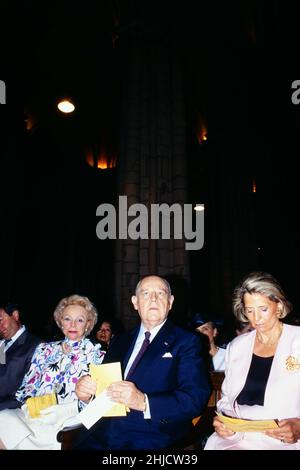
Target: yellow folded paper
(248, 425)
(104, 375)
(36, 404)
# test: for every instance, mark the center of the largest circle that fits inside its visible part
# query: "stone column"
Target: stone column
(152, 162)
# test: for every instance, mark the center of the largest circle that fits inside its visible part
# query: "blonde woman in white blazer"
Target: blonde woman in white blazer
(262, 374)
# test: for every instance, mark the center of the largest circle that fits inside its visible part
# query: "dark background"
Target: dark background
(238, 63)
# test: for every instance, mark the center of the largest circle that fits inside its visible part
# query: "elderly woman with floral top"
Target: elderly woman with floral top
(55, 368)
(262, 373)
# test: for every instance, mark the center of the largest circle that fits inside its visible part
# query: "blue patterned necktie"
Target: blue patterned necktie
(139, 355)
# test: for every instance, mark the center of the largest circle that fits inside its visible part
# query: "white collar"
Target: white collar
(153, 332)
(18, 333)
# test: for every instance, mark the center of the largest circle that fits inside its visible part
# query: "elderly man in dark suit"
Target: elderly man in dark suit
(17, 346)
(164, 388)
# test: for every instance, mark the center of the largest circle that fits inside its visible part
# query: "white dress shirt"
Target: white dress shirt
(137, 347)
(13, 339)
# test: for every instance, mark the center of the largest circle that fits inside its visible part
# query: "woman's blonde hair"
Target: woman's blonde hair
(259, 282)
(84, 302)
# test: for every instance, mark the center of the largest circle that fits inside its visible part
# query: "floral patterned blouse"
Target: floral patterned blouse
(57, 366)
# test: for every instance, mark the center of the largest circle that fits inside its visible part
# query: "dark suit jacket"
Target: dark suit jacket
(172, 374)
(18, 358)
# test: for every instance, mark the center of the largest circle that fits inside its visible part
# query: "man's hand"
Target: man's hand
(85, 388)
(221, 429)
(288, 430)
(126, 393)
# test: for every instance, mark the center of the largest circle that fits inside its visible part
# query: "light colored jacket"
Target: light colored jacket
(282, 395)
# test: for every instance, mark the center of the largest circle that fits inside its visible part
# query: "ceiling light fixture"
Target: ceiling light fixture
(66, 106)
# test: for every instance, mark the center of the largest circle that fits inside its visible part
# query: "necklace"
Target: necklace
(66, 347)
(271, 341)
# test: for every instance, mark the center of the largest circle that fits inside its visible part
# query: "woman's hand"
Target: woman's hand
(58, 414)
(211, 332)
(208, 330)
(221, 429)
(288, 430)
(85, 388)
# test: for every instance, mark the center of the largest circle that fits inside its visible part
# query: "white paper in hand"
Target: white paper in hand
(95, 410)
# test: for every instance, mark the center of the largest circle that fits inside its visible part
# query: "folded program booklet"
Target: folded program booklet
(248, 425)
(102, 405)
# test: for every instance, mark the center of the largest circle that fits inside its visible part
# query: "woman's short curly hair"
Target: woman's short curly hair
(263, 283)
(92, 314)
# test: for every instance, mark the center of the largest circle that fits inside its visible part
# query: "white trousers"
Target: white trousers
(19, 432)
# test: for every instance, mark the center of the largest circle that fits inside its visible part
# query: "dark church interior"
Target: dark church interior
(175, 102)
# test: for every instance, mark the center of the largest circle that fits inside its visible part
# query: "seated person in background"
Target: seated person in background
(55, 367)
(208, 327)
(262, 374)
(104, 334)
(165, 388)
(242, 327)
(17, 346)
